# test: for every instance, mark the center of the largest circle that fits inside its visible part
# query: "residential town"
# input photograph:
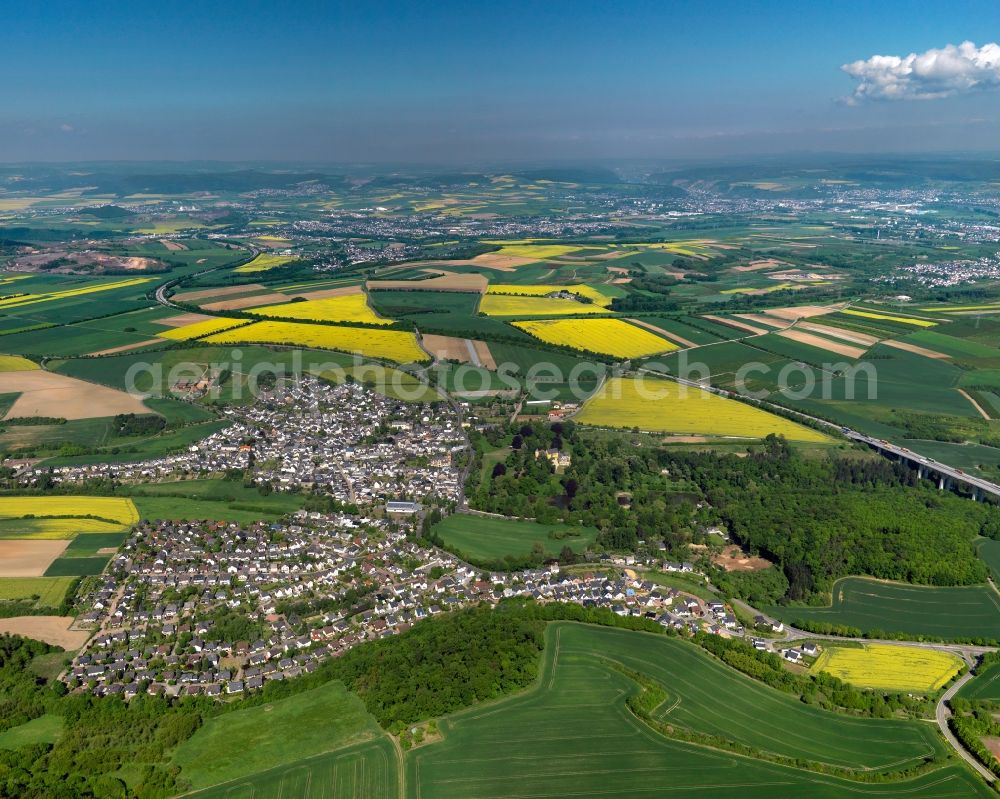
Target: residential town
(166, 613)
(346, 441)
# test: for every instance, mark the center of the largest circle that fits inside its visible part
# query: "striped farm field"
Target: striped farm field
(906, 320)
(392, 345)
(15, 363)
(31, 299)
(949, 613)
(513, 305)
(605, 336)
(572, 734)
(542, 290)
(347, 308)
(199, 329)
(266, 262)
(664, 406)
(889, 667)
(119, 509)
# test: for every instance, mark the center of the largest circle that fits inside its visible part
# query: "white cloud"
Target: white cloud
(931, 75)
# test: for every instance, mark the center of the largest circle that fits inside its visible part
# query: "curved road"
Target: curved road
(943, 712)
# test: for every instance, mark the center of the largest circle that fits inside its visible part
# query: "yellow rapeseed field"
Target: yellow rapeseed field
(391, 345)
(348, 308)
(15, 363)
(604, 336)
(49, 529)
(539, 252)
(963, 308)
(264, 262)
(663, 406)
(890, 318)
(31, 299)
(199, 329)
(119, 509)
(540, 291)
(511, 305)
(889, 667)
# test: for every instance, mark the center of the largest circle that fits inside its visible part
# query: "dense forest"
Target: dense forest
(817, 518)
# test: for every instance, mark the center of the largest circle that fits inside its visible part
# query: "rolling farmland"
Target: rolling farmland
(949, 613)
(281, 734)
(985, 685)
(365, 771)
(572, 734)
(668, 407)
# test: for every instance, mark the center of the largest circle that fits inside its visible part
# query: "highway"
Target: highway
(950, 472)
(979, 484)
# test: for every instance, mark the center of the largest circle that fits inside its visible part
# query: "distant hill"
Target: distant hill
(107, 212)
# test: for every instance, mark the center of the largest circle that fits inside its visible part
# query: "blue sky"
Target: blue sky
(449, 81)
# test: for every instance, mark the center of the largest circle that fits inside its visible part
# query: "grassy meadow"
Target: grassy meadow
(484, 538)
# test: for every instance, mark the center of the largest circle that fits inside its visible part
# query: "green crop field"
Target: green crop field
(985, 685)
(179, 507)
(365, 771)
(989, 551)
(950, 613)
(280, 735)
(485, 538)
(44, 729)
(711, 698)
(49, 590)
(572, 735)
(80, 566)
(87, 544)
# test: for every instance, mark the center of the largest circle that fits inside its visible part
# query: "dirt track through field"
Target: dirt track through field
(729, 321)
(836, 332)
(665, 333)
(50, 394)
(126, 347)
(28, 557)
(182, 319)
(822, 343)
(976, 405)
(203, 294)
(446, 348)
(325, 294)
(485, 356)
(448, 281)
(804, 311)
(902, 345)
(50, 629)
(253, 301)
(764, 319)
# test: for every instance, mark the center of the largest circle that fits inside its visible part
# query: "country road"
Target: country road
(942, 712)
(967, 652)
